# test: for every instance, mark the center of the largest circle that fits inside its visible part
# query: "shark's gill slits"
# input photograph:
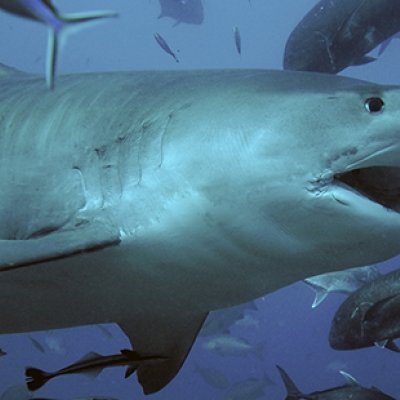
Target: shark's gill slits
(379, 184)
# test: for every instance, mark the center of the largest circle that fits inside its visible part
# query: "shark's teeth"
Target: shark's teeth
(379, 184)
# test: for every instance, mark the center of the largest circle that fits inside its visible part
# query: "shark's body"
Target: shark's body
(150, 198)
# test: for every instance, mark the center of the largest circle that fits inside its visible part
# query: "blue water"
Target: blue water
(293, 335)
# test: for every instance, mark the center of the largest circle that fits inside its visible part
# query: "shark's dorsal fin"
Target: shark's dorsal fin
(171, 337)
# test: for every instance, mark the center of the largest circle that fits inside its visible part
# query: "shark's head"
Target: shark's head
(341, 170)
(311, 160)
(353, 176)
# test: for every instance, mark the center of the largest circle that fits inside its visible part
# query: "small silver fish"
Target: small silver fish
(238, 40)
(164, 45)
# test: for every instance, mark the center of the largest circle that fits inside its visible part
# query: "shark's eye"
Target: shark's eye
(374, 104)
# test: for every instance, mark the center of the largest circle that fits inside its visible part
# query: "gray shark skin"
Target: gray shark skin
(187, 11)
(336, 34)
(346, 281)
(369, 316)
(350, 390)
(150, 198)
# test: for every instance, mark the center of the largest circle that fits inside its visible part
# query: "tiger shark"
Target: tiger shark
(150, 198)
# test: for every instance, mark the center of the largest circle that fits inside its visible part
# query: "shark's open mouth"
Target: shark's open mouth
(379, 184)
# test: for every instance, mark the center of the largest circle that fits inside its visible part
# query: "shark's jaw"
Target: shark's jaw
(371, 182)
(379, 184)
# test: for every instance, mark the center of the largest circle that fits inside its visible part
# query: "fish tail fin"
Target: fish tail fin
(293, 393)
(35, 378)
(320, 295)
(78, 18)
(57, 34)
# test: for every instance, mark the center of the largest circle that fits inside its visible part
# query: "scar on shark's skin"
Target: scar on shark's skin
(83, 185)
(165, 130)
(143, 128)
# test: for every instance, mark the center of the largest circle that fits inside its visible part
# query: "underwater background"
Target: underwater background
(283, 328)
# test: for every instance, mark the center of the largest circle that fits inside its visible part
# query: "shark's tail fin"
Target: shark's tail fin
(35, 378)
(293, 393)
(64, 25)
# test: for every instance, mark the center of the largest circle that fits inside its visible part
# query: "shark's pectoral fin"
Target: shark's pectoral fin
(169, 336)
(90, 236)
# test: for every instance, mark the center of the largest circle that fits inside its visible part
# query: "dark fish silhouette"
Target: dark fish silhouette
(338, 33)
(164, 45)
(370, 316)
(188, 11)
(43, 11)
(91, 364)
(351, 390)
(238, 40)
